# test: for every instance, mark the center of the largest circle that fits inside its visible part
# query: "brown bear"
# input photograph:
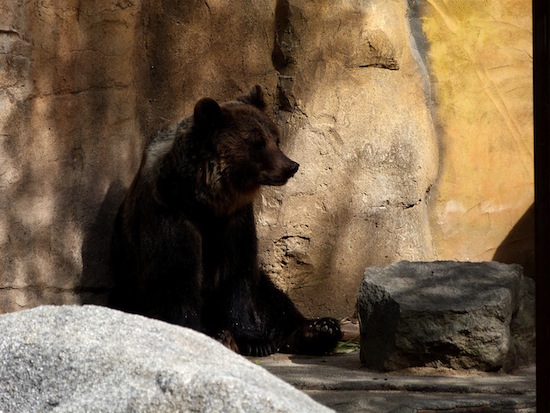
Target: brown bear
(184, 247)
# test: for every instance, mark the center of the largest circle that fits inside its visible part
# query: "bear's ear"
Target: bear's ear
(207, 114)
(255, 97)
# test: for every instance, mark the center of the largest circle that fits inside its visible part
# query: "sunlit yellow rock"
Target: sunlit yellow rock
(480, 63)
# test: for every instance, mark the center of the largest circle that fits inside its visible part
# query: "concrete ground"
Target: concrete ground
(339, 382)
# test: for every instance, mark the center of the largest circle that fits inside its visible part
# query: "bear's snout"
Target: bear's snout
(286, 168)
(279, 172)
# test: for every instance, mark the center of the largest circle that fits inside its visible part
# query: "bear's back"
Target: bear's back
(160, 143)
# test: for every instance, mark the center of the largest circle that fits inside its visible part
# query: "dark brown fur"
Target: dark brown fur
(184, 248)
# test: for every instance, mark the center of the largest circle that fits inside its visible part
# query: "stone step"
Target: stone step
(343, 384)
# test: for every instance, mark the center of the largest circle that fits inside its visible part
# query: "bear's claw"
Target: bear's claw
(258, 348)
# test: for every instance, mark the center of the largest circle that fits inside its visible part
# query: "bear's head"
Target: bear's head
(241, 147)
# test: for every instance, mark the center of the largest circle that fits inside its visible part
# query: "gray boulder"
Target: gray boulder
(446, 314)
(93, 359)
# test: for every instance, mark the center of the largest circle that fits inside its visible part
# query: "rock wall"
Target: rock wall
(480, 59)
(352, 99)
(352, 85)
(69, 140)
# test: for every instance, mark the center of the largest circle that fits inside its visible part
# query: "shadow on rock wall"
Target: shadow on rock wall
(96, 278)
(201, 49)
(519, 246)
(81, 83)
(67, 136)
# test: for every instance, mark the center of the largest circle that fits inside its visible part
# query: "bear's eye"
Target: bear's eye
(259, 144)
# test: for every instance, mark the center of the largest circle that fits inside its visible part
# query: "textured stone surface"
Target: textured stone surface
(75, 359)
(357, 87)
(69, 140)
(340, 382)
(480, 60)
(343, 79)
(453, 314)
(352, 97)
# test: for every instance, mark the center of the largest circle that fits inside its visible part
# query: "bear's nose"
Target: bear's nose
(293, 168)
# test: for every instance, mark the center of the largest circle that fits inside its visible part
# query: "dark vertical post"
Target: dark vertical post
(541, 79)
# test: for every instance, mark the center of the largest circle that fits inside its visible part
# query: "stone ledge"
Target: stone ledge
(343, 384)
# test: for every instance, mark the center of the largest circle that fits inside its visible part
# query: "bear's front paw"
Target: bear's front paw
(315, 336)
(328, 328)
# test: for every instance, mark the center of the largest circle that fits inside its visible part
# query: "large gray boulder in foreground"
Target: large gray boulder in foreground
(446, 314)
(93, 359)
